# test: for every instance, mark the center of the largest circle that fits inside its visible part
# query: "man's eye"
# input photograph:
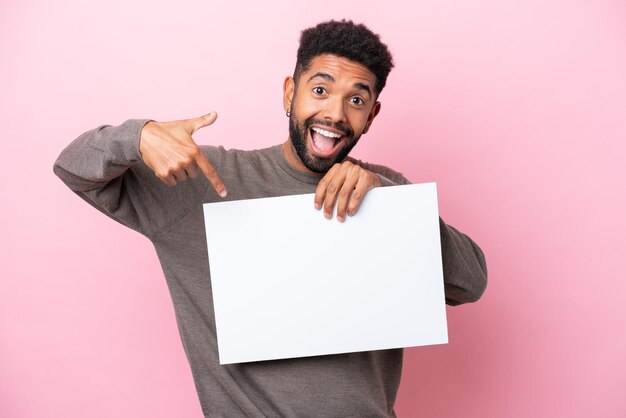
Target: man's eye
(319, 90)
(357, 101)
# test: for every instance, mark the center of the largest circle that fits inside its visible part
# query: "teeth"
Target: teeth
(327, 133)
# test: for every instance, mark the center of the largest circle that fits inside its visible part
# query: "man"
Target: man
(146, 175)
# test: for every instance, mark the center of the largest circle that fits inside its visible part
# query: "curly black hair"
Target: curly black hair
(345, 39)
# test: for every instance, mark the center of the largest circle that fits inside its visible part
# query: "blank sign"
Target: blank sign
(288, 282)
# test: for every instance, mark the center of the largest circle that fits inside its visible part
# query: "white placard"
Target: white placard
(288, 282)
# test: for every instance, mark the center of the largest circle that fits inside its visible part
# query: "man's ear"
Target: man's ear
(372, 115)
(288, 90)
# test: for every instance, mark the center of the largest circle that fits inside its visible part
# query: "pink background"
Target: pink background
(516, 108)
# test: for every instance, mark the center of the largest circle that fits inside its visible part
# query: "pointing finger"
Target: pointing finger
(210, 173)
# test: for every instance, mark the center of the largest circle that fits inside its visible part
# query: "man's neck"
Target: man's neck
(292, 157)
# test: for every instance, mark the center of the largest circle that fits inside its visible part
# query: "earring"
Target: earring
(288, 114)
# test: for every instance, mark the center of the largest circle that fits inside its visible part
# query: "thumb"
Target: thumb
(196, 123)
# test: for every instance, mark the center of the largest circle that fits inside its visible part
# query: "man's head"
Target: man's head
(332, 97)
(348, 40)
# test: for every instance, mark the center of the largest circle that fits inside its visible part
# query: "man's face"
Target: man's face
(332, 105)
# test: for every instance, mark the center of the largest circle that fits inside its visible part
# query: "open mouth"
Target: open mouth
(324, 142)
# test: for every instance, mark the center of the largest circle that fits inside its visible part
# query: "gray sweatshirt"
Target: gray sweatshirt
(104, 167)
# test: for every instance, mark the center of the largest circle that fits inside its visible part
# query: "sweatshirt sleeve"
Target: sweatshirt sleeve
(464, 265)
(104, 167)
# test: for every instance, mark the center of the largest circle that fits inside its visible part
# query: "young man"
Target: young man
(146, 175)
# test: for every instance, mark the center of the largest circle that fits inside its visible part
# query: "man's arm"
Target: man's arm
(103, 167)
(464, 266)
(115, 170)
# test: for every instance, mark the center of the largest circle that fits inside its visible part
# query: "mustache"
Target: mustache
(337, 126)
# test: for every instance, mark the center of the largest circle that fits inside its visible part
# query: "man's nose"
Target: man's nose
(334, 110)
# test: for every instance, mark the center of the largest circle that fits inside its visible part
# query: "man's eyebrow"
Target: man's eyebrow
(325, 76)
(363, 86)
(328, 77)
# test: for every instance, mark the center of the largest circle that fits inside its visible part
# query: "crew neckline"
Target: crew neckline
(279, 156)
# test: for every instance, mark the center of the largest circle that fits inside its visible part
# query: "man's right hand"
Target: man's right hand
(169, 150)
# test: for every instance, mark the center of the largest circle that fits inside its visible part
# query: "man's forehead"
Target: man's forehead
(337, 66)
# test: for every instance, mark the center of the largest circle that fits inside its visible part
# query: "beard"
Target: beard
(299, 134)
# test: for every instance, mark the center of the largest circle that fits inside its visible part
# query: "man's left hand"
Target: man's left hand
(347, 184)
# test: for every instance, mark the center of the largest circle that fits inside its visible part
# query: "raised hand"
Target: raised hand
(170, 151)
(347, 184)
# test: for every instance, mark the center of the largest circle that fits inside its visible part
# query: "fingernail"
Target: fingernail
(317, 206)
(327, 215)
(223, 193)
(341, 218)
